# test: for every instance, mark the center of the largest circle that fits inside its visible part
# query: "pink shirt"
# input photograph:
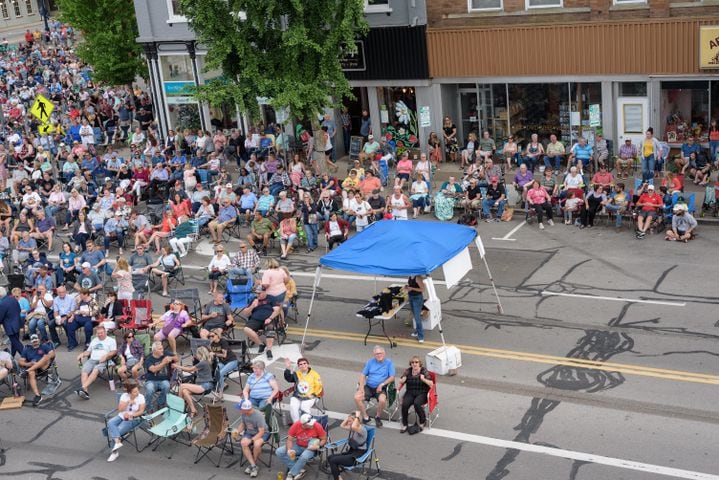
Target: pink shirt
(404, 166)
(274, 279)
(537, 195)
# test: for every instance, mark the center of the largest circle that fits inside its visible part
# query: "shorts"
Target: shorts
(277, 299)
(91, 364)
(648, 213)
(370, 392)
(258, 325)
(207, 386)
(173, 333)
(132, 362)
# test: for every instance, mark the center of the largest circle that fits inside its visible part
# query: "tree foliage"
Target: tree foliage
(285, 50)
(108, 29)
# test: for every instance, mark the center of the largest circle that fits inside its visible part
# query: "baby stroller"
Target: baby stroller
(711, 195)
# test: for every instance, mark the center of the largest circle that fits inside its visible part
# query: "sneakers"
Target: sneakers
(36, 400)
(378, 422)
(541, 226)
(82, 394)
(550, 222)
(262, 347)
(366, 420)
(300, 475)
(289, 477)
(413, 334)
(269, 354)
(421, 340)
(254, 471)
(113, 456)
(249, 469)
(117, 446)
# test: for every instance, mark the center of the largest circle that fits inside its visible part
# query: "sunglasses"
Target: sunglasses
(413, 362)
(130, 336)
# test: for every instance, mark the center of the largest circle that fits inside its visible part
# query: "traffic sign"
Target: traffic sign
(45, 129)
(42, 108)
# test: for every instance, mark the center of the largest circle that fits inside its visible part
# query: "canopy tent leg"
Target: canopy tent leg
(500, 310)
(315, 284)
(441, 334)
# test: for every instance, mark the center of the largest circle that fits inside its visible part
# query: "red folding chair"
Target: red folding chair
(140, 315)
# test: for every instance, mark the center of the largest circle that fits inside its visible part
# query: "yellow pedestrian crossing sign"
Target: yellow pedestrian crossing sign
(45, 129)
(42, 108)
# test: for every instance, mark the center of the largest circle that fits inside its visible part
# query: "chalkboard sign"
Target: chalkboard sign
(355, 147)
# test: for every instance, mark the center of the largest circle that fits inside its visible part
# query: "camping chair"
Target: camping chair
(140, 316)
(271, 438)
(12, 380)
(214, 435)
(49, 375)
(174, 422)
(239, 295)
(319, 404)
(431, 409)
(363, 465)
(130, 436)
(191, 298)
(390, 406)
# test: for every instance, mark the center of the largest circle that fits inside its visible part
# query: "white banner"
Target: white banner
(456, 268)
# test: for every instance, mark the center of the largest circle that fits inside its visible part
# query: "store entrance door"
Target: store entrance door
(633, 119)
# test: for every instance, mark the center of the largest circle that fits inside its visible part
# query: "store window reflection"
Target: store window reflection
(539, 108)
(585, 98)
(176, 68)
(685, 110)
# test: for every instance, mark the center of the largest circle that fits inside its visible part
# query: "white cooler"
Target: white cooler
(443, 359)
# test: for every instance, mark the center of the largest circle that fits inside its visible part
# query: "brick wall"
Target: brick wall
(454, 14)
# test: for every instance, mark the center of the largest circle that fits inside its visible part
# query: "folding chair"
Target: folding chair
(214, 435)
(140, 316)
(271, 439)
(431, 407)
(239, 295)
(191, 298)
(174, 422)
(363, 464)
(129, 437)
(390, 406)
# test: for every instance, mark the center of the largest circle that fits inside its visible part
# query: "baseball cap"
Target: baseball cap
(494, 178)
(86, 265)
(370, 136)
(650, 187)
(244, 405)
(228, 185)
(307, 419)
(34, 337)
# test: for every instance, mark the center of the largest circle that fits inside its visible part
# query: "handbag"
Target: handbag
(414, 429)
(507, 214)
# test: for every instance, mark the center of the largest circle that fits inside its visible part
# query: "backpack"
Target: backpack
(467, 219)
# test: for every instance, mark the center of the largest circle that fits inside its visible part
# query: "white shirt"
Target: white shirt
(222, 263)
(361, 209)
(573, 182)
(132, 405)
(99, 348)
(87, 135)
(335, 230)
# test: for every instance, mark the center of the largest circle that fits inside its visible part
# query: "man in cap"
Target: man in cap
(88, 279)
(369, 149)
(251, 429)
(650, 204)
(101, 349)
(304, 438)
(35, 358)
(225, 217)
(683, 224)
(114, 229)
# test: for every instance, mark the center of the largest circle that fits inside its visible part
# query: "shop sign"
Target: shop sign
(595, 118)
(178, 89)
(709, 46)
(180, 100)
(354, 62)
(424, 117)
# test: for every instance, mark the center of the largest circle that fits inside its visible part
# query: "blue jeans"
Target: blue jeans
(616, 210)
(77, 323)
(119, 236)
(421, 202)
(312, 231)
(713, 147)
(238, 272)
(647, 168)
(557, 161)
(152, 386)
(487, 205)
(415, 302)
(225, 369)
(303, 456)
(38, 323)
(117, 427)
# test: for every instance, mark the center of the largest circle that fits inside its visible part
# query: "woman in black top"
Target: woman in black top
(356, 445)
(226, 359)
(418, 384)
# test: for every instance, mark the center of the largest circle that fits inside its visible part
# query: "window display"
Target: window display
(398, 115)
(540, 108)
(685, 110)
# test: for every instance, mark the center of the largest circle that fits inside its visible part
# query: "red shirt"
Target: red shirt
(654, 199)
(303, 435)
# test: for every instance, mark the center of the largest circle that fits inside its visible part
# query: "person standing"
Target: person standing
(415, 291)
(651, 155)
(10, 320)
(332, 131)
(346, 121)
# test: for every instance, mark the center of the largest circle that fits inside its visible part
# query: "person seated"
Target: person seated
(216, 314)
(37, 316)
(699, 168)
(369, 150)
(604, 178)
(261, 386)
(44, 228)
(496, 196)
(356, 445)
(130, 408)
(261, 229)
(132, 356)
(265, 203)
(617, 204)
(572, 204)
(167, 263)
(285, 206)
(650, 205)
(262, 315)
(377, 374)
(541, 202)
(164, 230)
(219, 265)
(43, 276)
(114, 229)
(101, 349)
(682, 161)
(244, 262)
(370, 183)
(225, 358)
(594, 201)
(523, 181)
(600, 153)
(683, 225)
(304, 438)
(672, 182)
(82, 316)
(35, 358)
(252, 429)
(572, 181)
(203, 378)
(87, 279)
(487, 147)
(581, 151)
(404, 170)
(94, 256)
(308, 387)
(352, 181)
(469, 152)
(625, 160)
(418, 382)
(288, 235)
(6, 365)
(336, 230)
(472, 196)
(419, 195)
(173, 322)
(554, 153)
(157, 375)
(24, 246)
(279, 181)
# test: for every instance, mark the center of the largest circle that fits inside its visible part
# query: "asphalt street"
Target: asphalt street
(601, 367)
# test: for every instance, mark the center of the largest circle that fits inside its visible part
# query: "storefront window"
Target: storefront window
(633, 89)
(685, 110)
(398, 115)
(539, 108)
(176, 68)
(715, 101)
(469, 112)
(184, 115)
(586, 114)
(224, 116)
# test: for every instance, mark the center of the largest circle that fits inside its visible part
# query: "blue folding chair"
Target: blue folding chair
(367, 465)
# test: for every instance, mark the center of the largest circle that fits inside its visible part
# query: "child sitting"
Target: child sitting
(571, 204)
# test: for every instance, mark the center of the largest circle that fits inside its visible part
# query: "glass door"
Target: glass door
(469, 114)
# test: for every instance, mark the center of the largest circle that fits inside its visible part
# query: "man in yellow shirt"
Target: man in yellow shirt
(554, 154)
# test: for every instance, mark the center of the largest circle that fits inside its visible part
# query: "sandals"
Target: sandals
(403, 429)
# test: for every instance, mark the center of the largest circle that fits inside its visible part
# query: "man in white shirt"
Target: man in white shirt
(361, 210)
(87, 134)
(101, 349)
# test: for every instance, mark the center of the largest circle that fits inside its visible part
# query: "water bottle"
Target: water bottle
(112, 385)
(15, 388)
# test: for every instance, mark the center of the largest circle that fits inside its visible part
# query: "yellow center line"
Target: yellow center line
(526, 357)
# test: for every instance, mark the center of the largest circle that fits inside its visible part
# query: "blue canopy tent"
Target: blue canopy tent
(404, 248)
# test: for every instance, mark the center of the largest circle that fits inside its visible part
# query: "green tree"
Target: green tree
(108, 29)
(285, 50)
